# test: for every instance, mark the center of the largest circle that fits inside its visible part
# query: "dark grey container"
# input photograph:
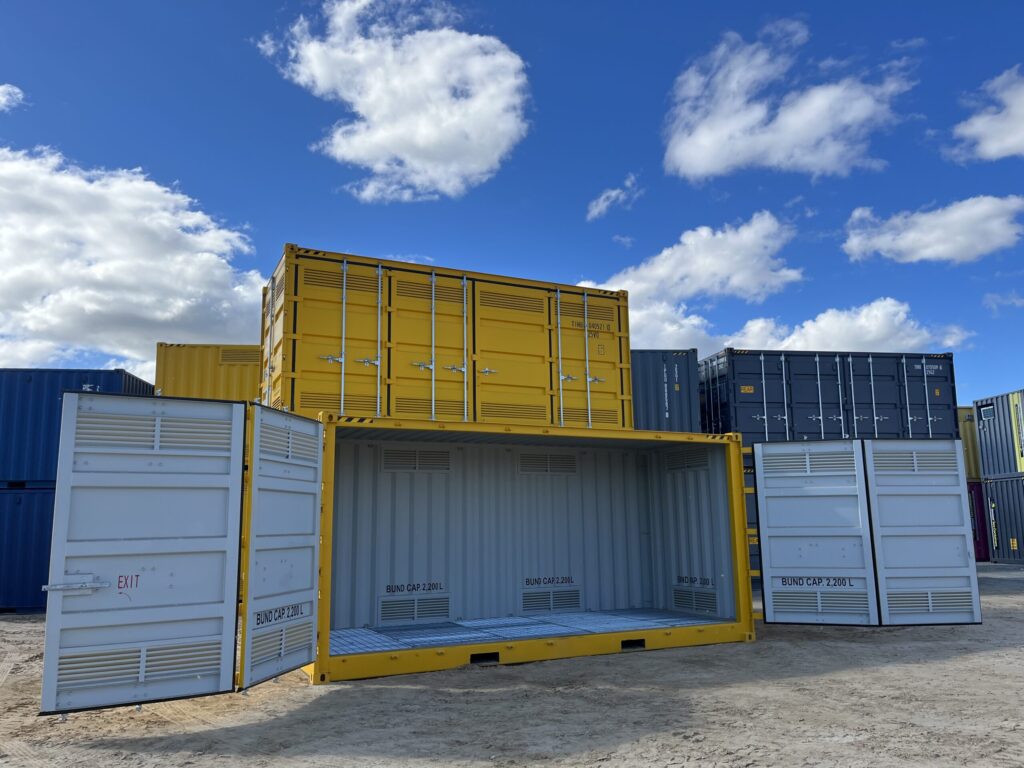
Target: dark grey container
(773, 396)
(1000, 423)
(665, 390)
(1004, 500)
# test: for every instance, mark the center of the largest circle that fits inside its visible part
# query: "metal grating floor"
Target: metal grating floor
(345, 642)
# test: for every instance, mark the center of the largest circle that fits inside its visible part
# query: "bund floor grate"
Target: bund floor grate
(408, 636)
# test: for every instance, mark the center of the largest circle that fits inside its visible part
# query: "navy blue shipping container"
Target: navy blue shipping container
(26, 521)
(666, 395)
(30, 407)
(1000, 421)
(1005, 501)
(771, 396)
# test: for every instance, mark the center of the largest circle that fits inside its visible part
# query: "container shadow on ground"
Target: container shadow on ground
(551, 714)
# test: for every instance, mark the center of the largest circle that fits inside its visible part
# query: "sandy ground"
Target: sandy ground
(798, 696)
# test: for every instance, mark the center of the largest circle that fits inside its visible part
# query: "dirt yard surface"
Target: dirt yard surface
(798, 696)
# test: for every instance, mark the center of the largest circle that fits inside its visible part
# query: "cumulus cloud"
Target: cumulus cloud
(730, 112)
(107, 262)
(623, 196)
(11, 96)
(909, 43)
(995, 301)
(996, 130)
(435, 110)
(962, 232)
(626, 241)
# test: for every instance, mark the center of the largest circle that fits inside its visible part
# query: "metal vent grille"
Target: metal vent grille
(239, 356)
(276, 441)
(195, 434)
(413, 290)
(784, 463)
(547, 463)
(597, 415)
(422, 405)
(322, 278)
(503, 411)
(802, 602)
(326, 401)
(410, 609)
(546, 601)
(277, 287)
(916, 461)
(267, 645)
(828, 463)
(186, 660)
(411, 460)
(511, 301)
(929, 602)
(844, 602)
(81, 670)
(832, 463)
(297, 637)
(687, 458)
(598, 312)
(115, 430)
(698, 600)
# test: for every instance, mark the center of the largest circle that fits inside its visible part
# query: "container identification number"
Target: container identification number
(541, 581)
(284, 613)
(414, 586)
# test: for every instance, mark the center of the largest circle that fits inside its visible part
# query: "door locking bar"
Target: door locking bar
(91, 585)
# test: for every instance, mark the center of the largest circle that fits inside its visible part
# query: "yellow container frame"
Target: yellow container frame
(329, 668)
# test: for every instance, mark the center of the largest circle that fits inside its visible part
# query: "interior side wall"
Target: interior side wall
(489, 531)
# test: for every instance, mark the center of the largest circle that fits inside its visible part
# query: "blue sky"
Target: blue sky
(156, 156)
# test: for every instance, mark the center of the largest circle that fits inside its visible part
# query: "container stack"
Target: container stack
(1000, 424)
(975, 485)
(208, 371)
(30, 414)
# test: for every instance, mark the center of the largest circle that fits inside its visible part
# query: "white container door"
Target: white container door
(281, 545)
(816, 561)
(924, 550)
(142, 593)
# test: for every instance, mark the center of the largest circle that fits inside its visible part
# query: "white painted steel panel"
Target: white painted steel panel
(921, 516)
(816, 561)
(147, 513)
(282, 545)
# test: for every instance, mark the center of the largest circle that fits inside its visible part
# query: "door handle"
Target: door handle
(487, 371)
(76, 585)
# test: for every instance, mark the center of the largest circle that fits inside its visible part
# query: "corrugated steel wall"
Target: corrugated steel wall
(1005, 500)
(969, 438)
(26, 522)
(210, 371)
(666, 393)
(1000, 422)
(30, 406)
(483, 524)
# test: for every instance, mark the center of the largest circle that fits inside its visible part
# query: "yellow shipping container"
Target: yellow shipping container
(365, 337)
(969, 438)
(210, 371)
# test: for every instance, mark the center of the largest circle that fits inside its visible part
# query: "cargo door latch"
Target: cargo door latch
(456, 368)
(487, 371)
(425, 366)
(332, 358)
(369, 360)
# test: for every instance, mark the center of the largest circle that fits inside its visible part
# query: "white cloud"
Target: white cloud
(108, 262)
(624, 240)
(625, 196)
(961, 232)
(910, 43)
(994, 301)
(724, 118)
(11, 96)
(436, 110)
(997, 130)
(731, 261)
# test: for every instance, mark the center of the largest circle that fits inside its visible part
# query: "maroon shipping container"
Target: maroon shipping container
(979, 521)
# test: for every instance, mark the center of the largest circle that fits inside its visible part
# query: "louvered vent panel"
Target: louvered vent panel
(278, 289)
(322, 278)
(894, 461)
(273, 441)
(239, 356)
(784, 463)
(597, 415)
(511, 301)
(533, 463)
(802, 602)
(687, 458)
(267, 646)
(115, 431)
(594, 312)
(81, 670)
(397, 610)
(536, 602)
(413, 290)
(399, 460)
(547, 463)
(185, 660)
(432, 608)
(698, 600)
(298, 637)
(278, 403)
(832, 463)
(422, 405)
(411, 460)
(908, 602)
(328, 401)
(952, 601)
(195, 434)
(305, 447)
(844, 602)
(565, 600)
(562, 463)
(510, 411)
(433, 461)
(940, 461)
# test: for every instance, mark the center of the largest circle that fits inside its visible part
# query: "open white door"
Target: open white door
(142, 593)
(281, 545)
(816, 559)
(924, 548)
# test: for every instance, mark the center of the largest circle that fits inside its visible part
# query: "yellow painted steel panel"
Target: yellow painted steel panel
(969, 439)
(1017, 419)
(487, 352)
(209, 371)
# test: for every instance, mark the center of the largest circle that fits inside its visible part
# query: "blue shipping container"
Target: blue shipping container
(666, 395)
(30, 405)
(26, 522)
